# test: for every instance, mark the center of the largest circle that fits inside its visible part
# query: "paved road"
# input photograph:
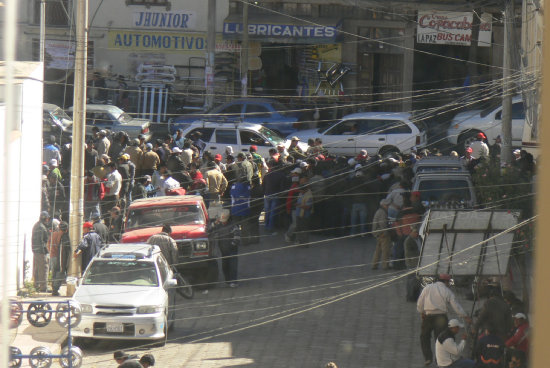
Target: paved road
(297, 307)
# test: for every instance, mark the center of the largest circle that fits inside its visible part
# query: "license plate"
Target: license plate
(115, 327)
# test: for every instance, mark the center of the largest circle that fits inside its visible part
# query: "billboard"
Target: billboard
(452, 28)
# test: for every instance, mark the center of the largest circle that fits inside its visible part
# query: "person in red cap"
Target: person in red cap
(218, 160)
(480, 150)
(258, 160)
(89, 246)
(433, 305)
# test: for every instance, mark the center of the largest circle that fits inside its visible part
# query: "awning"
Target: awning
(280, 29)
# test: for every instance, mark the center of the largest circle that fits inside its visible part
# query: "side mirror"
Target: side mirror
(171, 283)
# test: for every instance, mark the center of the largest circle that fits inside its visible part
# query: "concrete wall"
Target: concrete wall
(24, 171)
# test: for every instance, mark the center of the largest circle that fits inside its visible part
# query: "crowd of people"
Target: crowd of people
(299, 192)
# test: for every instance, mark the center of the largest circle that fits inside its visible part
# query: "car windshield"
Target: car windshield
(271, 136)
(62, 117)
(155, 216)
(121, 272)
(439, 191)
(486, 111)
(124, 118)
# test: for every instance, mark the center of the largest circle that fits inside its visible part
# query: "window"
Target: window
(231, 110)
(348, 127)
(257, 111)
(249, 138)
(397, 127)
(99, 118)
(206, 133)
(57, 12)
(226, 136)
(518, 112)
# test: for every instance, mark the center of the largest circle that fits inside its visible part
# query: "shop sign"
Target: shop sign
(452, 28)
(283, 30)
(60, 54)
(165, 41)
(165, 20)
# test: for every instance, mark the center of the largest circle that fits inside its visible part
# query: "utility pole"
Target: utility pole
(211, 54)
(42, 29)
(506, 152)
(79, 129)
(244, 52)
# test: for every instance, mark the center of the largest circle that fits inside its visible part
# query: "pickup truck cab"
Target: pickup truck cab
(188, 217)
(445, 190)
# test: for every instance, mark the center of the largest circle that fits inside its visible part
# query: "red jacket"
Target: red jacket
(520, 340)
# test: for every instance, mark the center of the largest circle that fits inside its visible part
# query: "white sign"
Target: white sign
(452, 28)
(59, 54)
(177, 19)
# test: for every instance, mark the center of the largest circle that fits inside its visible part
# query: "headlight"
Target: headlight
(201, 245)
(149, 309)
(86, 308)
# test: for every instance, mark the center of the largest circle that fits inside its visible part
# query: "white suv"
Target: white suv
(377, 132)
(466, 125)
(126, 293)
(240, 136)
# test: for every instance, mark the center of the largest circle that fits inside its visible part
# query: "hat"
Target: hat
(253, 148)
(228, 150)
(44, 214)
(294, 138)
(481, 135)
(176, 150)
(444, 276)
(218, 157)
(53, 162)
(119, 354)
(358, 167)
(454, 323)
(280, 145)
(469, 149)
(148, 177)
(149, 146)
(88, 225)
(352, 162)
(296, 171)
(363, 152)
(520, 315)
(303, 164)
(103, 132)
(517, 151)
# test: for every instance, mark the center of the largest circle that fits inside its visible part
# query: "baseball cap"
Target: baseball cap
(218, 157)
(444, 276)
(253, 148)
(44, 214)
(149, 146)
(517, 151)
(454, 323)
(481, 135)
(53, 162)
(295, 138)
(520, 315)
(88, 225)
(469, 149)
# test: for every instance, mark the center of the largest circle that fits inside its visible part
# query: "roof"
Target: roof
(379, 115)
(215, 124)
(22, 70)
(166, 200)
(439, 160)
(97, 107)
(142, 249)
(441, 174)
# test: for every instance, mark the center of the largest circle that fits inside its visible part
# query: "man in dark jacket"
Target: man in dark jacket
(40, 236)
(227, 236)
(489, 351)
(89, 246)
(101, 229)
(60, 249)
(273, 184)
(494, 315)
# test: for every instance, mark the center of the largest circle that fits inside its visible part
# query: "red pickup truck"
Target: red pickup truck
(188, 217)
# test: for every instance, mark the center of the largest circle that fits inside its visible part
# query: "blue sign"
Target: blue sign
(283, 30)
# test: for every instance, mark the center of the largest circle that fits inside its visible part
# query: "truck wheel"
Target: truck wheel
(185, 288)
(465, 139)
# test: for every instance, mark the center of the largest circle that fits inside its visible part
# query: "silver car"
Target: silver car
(127, 292)
(113, 118)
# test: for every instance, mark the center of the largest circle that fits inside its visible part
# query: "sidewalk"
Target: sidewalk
(26, 337)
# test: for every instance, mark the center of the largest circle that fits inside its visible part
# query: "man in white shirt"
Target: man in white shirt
(112, 189)
(447, 351)
(479, 147)
(433, 305)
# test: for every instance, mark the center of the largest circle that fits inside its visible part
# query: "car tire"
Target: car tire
(185, 289)
(84, 342)
(465, 139)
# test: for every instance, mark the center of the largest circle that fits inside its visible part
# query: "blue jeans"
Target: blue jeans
(270, 209)
(358, 210)
(90, 209)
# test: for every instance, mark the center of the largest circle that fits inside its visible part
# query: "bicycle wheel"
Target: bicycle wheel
(184, 287)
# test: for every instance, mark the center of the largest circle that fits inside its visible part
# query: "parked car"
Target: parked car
(466, 125)
(439, 164)
(268, 112)
(127, 292)
(188, 218)
(445, 189)
(377, 132)
(110, 117)
(56, 122)
(238, 135)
